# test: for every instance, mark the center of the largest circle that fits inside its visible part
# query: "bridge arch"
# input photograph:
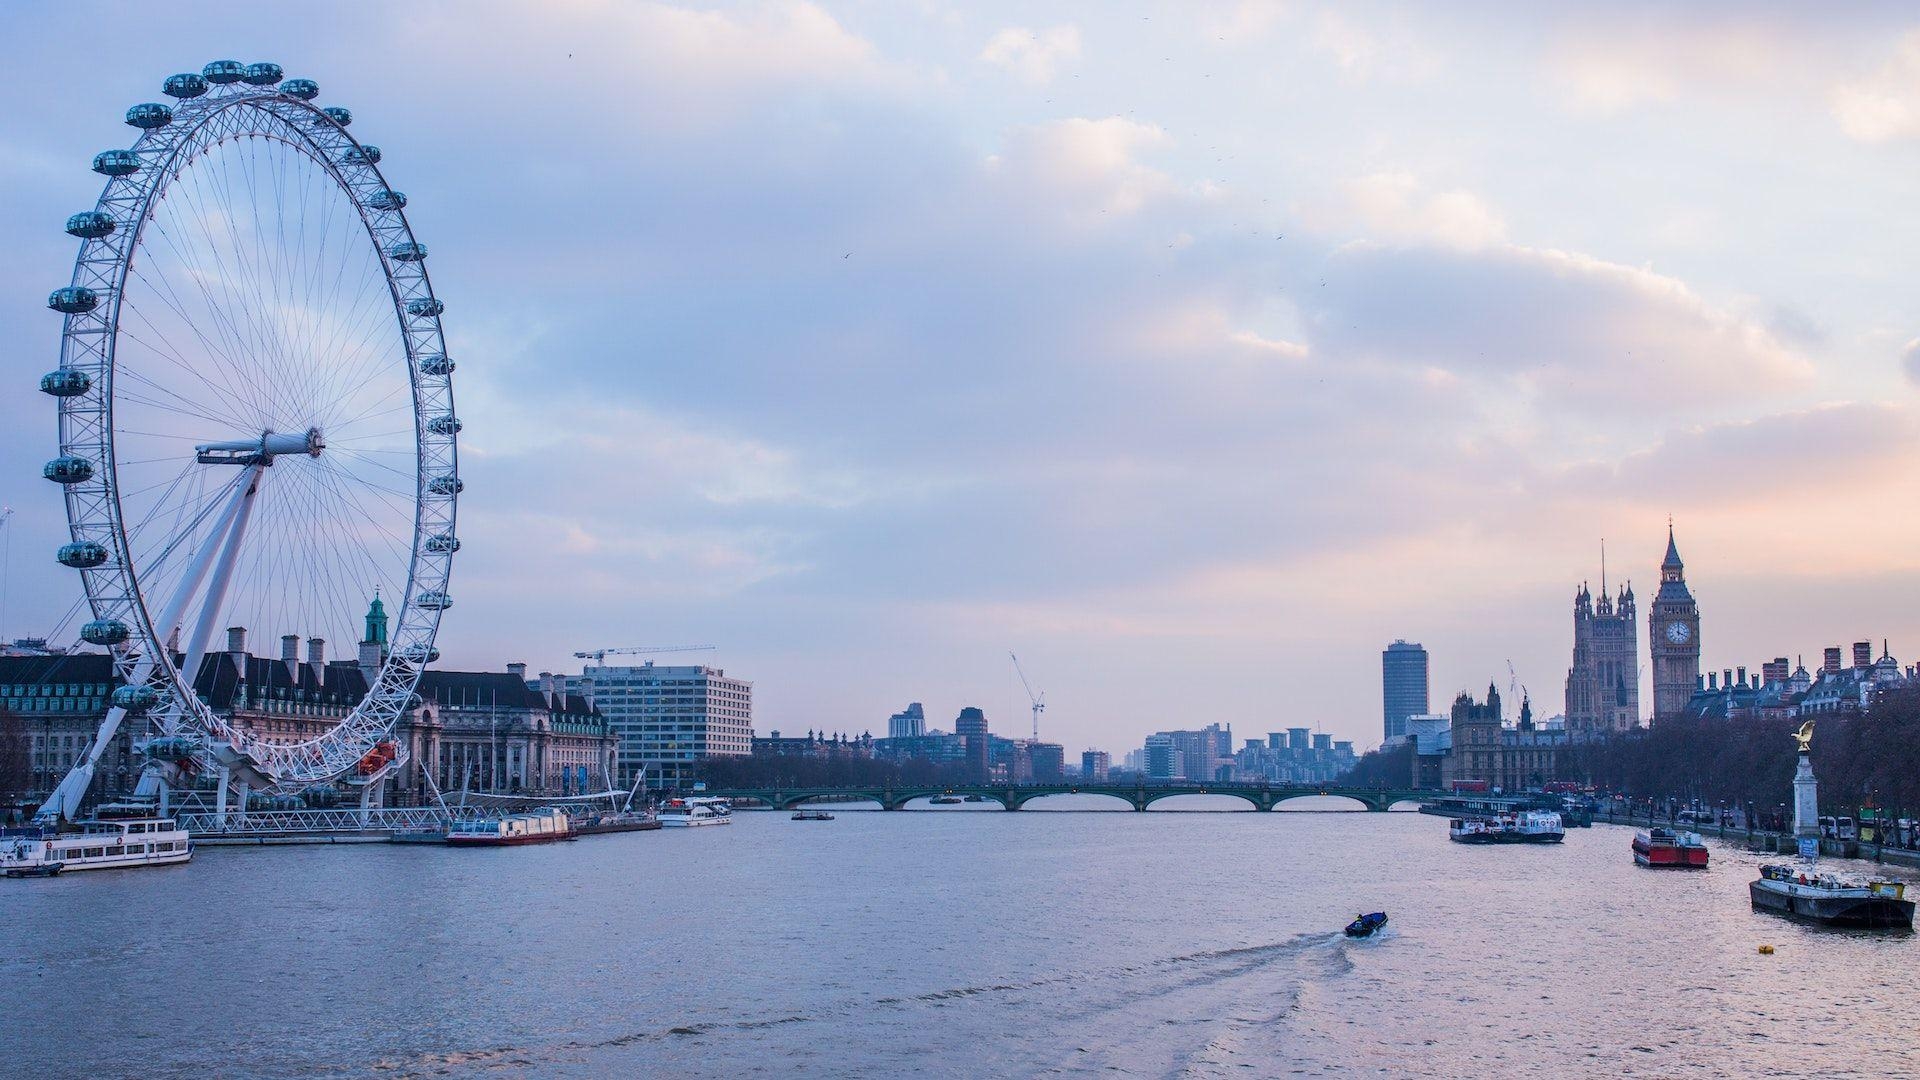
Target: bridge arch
(900, 799)
(1092, 802)
(1324, 803)
(1253, 799)
(1401, 805)
(852, 800)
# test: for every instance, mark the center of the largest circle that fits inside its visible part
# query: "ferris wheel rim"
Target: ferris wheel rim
(89, 343)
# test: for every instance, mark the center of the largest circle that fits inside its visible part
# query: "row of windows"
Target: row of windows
(54, 689)
(129, 849)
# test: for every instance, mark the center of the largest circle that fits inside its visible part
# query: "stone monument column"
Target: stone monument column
(1806, 797)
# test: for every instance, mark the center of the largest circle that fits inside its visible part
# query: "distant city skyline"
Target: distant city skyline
(1193, 358)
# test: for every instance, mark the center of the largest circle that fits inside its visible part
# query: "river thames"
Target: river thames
(950, 944)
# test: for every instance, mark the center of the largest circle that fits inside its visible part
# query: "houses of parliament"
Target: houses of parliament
(1603, 685)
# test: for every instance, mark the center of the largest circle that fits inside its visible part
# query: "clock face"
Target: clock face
(1679, 632)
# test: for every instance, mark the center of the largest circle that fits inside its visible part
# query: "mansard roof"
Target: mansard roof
(340, 682)
(493, 689)
(72, 668)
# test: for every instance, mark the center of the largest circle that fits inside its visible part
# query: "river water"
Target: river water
(946, 944)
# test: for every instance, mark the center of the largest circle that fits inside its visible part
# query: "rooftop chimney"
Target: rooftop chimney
(290, 648)
(1830, 660)
(547, 687)
(1726, 678)
(1713, 681)
(518, 671)
(1863, 654)
(1743, 674)
(317, 651)
(236, 639)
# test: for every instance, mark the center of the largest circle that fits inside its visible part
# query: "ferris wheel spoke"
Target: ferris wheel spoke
(178, 405)
(188, 249)
(165, 350)
(348, 489)
(224, 354)
(238, 309)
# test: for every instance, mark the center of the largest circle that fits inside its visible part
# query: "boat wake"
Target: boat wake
(1193, 1015)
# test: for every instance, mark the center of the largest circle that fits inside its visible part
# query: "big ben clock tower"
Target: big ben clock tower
(1673, 633)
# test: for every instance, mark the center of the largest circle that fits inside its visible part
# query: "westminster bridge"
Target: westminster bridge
(1014, 796)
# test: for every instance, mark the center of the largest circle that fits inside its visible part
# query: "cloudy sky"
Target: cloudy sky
(1194, 351)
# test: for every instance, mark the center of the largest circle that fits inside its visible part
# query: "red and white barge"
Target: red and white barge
(1670, 848)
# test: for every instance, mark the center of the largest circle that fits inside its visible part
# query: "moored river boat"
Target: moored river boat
(1831, 901)
(1669, 848)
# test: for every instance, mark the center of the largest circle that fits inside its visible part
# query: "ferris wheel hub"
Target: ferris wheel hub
(263, 450)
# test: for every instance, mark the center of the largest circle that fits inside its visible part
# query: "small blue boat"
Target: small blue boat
(1365, 925)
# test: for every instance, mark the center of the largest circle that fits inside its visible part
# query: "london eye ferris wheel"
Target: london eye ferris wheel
(256, 417)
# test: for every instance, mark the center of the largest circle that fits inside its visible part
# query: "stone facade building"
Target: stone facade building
(1603, 685)
(491, 729)
(1485, 751)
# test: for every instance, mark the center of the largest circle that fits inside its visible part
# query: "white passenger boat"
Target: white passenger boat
(680, 813)
(120, 836)
(1529, 827)
(541, 826)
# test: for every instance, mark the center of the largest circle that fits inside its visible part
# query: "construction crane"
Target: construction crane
(598, 655)
(1039, 700)
(1514, 687)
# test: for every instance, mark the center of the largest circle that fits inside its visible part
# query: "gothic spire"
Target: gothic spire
(1672, 561)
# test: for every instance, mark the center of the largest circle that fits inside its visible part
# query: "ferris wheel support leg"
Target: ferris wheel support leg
(222, 571)
(220, 798)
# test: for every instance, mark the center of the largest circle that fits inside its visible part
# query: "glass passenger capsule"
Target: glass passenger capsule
(82, 554)
(91, 225)
(73, 300)
(434, 364)
(444, 425)
(184, 86)
(338, 115)
(105, 632)
(68, 470)
(224, 71)
(304, 89)
(425, 306)
(443, 543)
(136, 699)
(388, 200)
(434, 600)
(364, 154)
(263, 73)
(116, 163)
(169, 748)
(408, 251)
(420, 654)
(149, 115)
(66, 382)
(439, 485)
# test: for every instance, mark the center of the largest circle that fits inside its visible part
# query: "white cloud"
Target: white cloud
(1885, 105)
(1032, 55)
(1557, 325)
(1240, 22)
(1393, 207)
(1091, 165)
(1608, 65)
(1350, 44)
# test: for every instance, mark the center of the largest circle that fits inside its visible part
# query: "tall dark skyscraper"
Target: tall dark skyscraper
(971, 725)
(1403, 685)
(1673, 636)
